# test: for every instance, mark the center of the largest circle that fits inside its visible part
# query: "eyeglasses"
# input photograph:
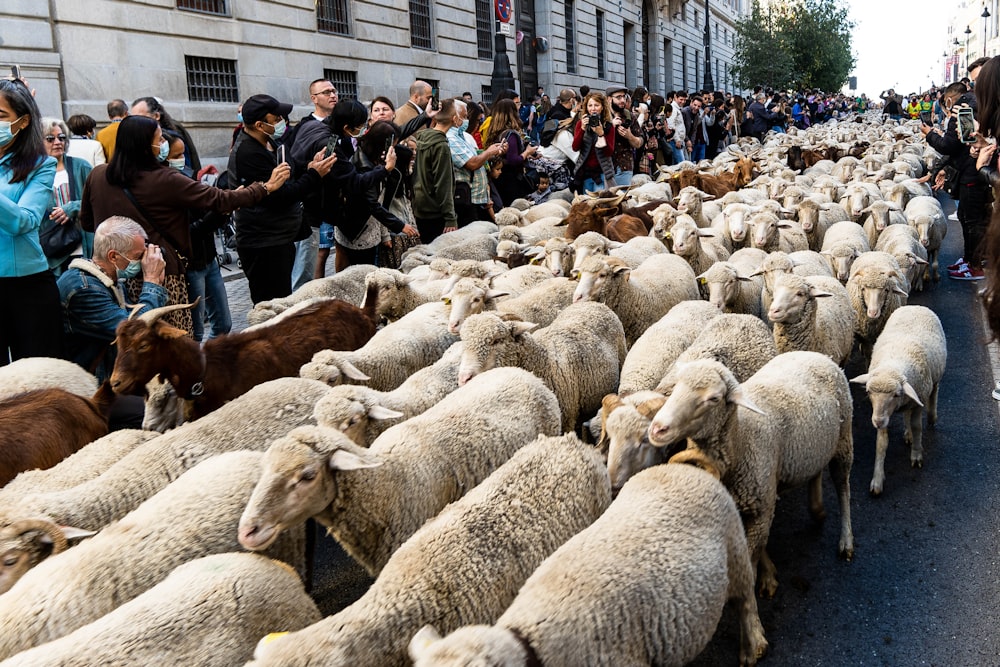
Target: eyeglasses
(331, 91)
(51, 138)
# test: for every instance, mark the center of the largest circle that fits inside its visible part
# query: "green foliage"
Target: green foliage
(794, 44)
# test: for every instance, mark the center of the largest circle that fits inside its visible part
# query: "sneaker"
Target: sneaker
(959, 264)
(967, 274)
(996, 394)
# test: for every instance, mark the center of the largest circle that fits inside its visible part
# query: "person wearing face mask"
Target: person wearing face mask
(136, 184)
(71, 174)
(266, 232)
(91, 293)
(472, 187)
(28, 292)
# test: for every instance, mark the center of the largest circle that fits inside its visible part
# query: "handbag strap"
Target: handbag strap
(149, 219)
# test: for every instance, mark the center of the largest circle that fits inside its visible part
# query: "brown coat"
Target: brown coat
(167, 195)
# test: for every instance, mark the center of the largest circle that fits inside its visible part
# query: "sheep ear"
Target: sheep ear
(736, 397)
(899, 290)
(574, 274)
(620, 268)
(744, 278)
(648, 409)
(520, 328)
(784, 224)
(917, 260)
(705, 233)
(342, 459)
(380, 412)
(71, 533)
(912, 393)
(422, 641)
(861, 379)
(827, 206)
(351, 371)
(867, 209)
(404, 279)
(815, 292)
(613, 245)
(758, 272)
(495, 294)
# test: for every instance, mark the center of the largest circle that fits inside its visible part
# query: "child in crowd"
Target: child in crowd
(543, 191)
(495, 168)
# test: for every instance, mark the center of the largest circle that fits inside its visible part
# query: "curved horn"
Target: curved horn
(698, 459)
(54, 532)
(150, 316)
(648, 409)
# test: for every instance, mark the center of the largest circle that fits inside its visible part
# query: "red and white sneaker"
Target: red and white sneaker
(967, 274)
(959, 265)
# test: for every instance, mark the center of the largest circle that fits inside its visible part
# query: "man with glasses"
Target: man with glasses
(627, 129)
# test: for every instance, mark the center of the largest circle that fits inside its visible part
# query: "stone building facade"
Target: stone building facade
(203, 56)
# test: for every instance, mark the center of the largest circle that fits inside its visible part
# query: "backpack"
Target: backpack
(548, 132)
(524, 113)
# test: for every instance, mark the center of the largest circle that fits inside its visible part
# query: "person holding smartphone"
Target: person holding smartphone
(594, 138)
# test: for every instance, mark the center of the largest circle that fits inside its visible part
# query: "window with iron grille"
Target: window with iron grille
(600, 45)
(486, 94)
(684, 67)
(344, 81)
(484, 29)
(420, 24)
(211, 79)
(217, 7)
(570, 23)
(333, 16)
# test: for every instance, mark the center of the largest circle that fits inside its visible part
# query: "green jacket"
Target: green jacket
(433, 179)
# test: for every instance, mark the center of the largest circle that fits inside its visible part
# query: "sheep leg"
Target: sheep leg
(840, 472)
(753, 644)
(816, 509)
(916, 429)
(878, 475)
(767, 579)
(932, 405)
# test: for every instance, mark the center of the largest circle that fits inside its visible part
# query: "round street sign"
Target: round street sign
(504, 10)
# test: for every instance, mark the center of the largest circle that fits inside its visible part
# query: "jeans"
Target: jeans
(207, 283)
(623, 178)
(678, 153)
(590, 185)
(697, 152)
(305, 259)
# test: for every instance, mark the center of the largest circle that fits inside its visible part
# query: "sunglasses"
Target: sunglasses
(52, 138)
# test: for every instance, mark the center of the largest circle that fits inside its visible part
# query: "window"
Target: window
(569, 22)
(211, 79)
(697, 18)
(332, 16)
(217, 7)
(484, 29)
(344, 81)
(486, 94)
(420, 24)
(684, 67)
(600, 45)
(684, 14)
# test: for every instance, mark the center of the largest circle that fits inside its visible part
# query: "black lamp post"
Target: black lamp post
(968, 31)
(954, 65)
(985, 15)
(502, 77)
(707, 40)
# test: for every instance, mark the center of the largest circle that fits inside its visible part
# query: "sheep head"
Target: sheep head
(147, 346)
(793, 297)
(489, 342)
(26, 543)
(331, 367)
(469, 296)
(470, 645)
(348, 408)
(723, 283)
(594, 273)
(888, 391)
(625, 423)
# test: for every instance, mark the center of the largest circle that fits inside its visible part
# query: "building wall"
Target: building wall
(78, 55)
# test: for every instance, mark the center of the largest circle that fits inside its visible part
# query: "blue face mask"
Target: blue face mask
(133, 269)
(6, 135)
(239, 117)
(164, 148)
(464, 127)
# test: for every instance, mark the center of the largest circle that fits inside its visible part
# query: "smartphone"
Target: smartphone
(925, 117)
(388, 145)
(15, 72)
(331, 145)
(435, 98)
(966, 126)
(281, 155)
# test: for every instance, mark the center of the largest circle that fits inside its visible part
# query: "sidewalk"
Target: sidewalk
(238, 292)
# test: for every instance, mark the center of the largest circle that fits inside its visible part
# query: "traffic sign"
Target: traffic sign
(504, 10)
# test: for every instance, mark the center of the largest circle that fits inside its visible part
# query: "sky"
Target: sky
(898, 43)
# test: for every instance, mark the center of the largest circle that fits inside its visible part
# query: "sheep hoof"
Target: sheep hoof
(846, 552)
(767, 587)
(756, 651)
(917, 463)
(875, 490)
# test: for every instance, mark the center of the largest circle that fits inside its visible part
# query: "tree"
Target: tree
(794, 44)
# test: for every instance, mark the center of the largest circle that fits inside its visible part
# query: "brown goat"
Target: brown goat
(624, 227)
(229, 366)
(40, 428)
(717, 185)
(591, 215)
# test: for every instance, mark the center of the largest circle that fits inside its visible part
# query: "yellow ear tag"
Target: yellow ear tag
(703, 281)
(271, 637)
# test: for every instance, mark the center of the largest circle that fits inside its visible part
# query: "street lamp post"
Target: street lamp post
(968, 31)
(985, 15)
(954, 65)
(709, 83)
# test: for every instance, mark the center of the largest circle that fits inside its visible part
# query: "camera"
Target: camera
(595, 120)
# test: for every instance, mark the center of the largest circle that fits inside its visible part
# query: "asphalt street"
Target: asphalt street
(924, 585)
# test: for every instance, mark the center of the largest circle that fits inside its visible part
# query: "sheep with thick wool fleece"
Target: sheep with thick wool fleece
(701, 248)
(372, 500)
(207, 612)
(816, 217)
(347, 285)
(877, 287)
(579, 356)
(542, 303)
(547, 209)
(400, 293)
(903, 243)
(519, 279)
(489, 541)
(732, 285)
(646, 584)
(732, 224)
(558, 255)
(638, 296)
(880, 215)
(479, 246)
(31, 373)
(781, 427)
(363, 413)
(393, 354)
(250, 421)
(907, 364)
(926, 216)
(545, 228)
(633, 252)
(844, 242)
(768, 233)
(192, 517)
(812, 313)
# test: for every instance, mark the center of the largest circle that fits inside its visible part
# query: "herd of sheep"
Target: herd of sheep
(563, 445)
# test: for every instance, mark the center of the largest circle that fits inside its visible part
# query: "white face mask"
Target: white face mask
(176, 163)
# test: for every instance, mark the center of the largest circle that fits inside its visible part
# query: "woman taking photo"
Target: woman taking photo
(594, 137)
(506, 127)
(28, 292)
(137, 185)
(67, 189)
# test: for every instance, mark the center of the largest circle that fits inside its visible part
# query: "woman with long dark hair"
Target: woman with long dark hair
(137, 185)
(28, 292)
(594, 138)
(506, 127)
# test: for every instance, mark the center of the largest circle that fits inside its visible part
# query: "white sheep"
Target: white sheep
(347, 285)
(520, 279)
(633, 252)
(491, 540)
(579, 355)
(542, 303)
(372, 500)
(880, 215)
(903, 243)
(816, 217)
(558, 257)
(907, 364)
(30, 373)
(547, 209)
(207, 612)
(812, 313)
(733, 286)
(399, 293)
(395, 352)
(795, 420)
(701, 248)
(877, 287)
(697, 204)
(844, 242)
(732, 223)
(925, 215)
(645, 584)
(859, 196)
(769, 233)
(638, 296)
(192, 517)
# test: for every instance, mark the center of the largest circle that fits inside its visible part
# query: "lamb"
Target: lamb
(558, 256)
(844, 242)
(732, 286)
(769, 233)
(881, 214)
(492, 539)
(907, 364)
(363, 413)
(251, 421)
(32, 373)
(876, 289)
(393, 354)
(638, 296)
(579, 355)
(816, 217)
(812, 313)
(126, 558)
(700, 248)
(924, 214)
(732, 223)
(645, 584)
(372, 500)
(207, 612)
(796, 419)
(903, 243)
(347, 285)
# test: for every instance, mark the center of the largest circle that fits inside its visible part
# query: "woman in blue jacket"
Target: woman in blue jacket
(32, 322)
(67, 190)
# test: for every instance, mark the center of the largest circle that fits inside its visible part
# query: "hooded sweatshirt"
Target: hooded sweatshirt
(433, 180)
